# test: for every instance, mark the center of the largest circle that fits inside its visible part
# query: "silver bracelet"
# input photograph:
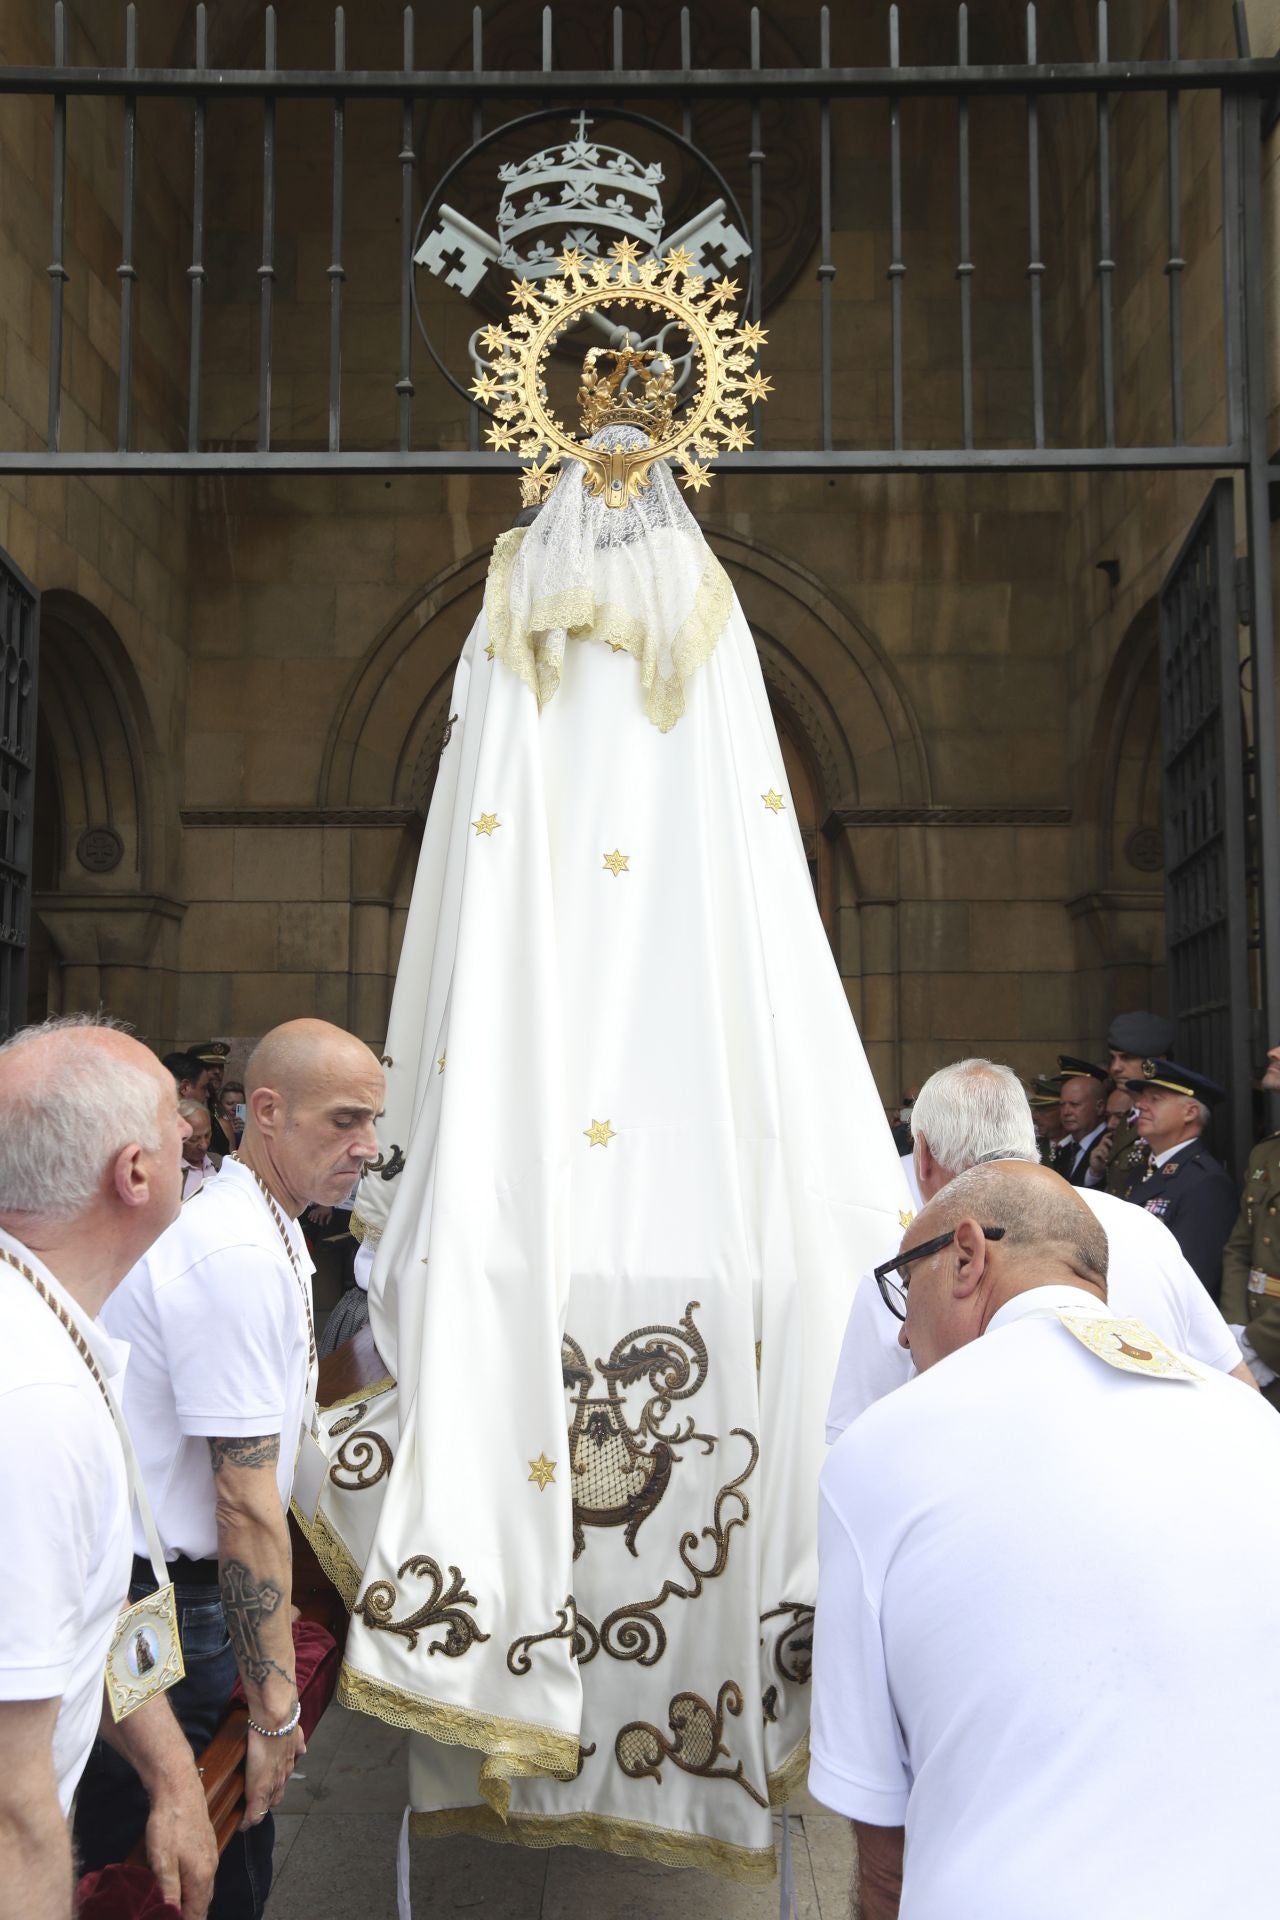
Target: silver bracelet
(278, 1733)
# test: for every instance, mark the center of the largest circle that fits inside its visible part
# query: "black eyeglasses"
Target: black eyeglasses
(894, 1292)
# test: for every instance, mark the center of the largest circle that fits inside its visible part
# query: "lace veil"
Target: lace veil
(641, 578)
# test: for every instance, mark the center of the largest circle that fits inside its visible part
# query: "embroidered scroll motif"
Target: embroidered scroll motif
(793, 1648)
(621, 1464)
(696, 1743)
(440, 1609)
(364, 1458)
(634, 1631)
(583, 1638)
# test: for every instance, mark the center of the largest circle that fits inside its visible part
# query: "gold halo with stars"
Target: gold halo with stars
(725, 385)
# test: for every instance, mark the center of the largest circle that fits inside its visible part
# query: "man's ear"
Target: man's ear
(265, 1109)
(971, 1259)
(129, 1177)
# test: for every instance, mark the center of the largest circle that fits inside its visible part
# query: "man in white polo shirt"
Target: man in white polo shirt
(975, 1112)
(90, 1144)
(1023, 1553)
(221, 1385)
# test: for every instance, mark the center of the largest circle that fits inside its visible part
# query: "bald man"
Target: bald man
(220, 1389)
(1021, 1555)
(90, 1146)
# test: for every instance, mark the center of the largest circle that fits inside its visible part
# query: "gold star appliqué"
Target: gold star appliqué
(616, 646)
(542, 1472)
(905, 1216)
(617, 862)
(489, 651)
(773, 801)
(440, 1062)
(486, 823)
(599, 1133)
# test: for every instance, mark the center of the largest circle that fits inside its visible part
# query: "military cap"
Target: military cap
(1044, 1092)
(1149, 1036)
(211, 1053)
(1171, 1077)
(1072, 1069)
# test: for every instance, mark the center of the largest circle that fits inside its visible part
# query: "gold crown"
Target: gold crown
(607, 402)
(640, 389)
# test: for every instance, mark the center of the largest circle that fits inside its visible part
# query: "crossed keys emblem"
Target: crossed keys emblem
(621, 1465)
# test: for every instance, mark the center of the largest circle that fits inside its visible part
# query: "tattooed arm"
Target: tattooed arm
(254, 1578)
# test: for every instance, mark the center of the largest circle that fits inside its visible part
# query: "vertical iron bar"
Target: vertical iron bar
(686, 61)
(196, 271)
(57, 270)
(1258, 548)
(1106, 265)
(1232, 274)
(126, 271)
(964, 272)
(546, 40)
(617, 39)
(337, 272)
(1035, 265)
(826, 267)
(755, 159)
(896, 267)
(477, 128)
(1175, 262)
(404, 385)
(267, 270)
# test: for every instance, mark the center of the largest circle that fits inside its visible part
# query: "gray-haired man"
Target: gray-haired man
(90, 1149)
(975, 1112)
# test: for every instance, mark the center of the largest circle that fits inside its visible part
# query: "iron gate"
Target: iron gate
(19, 643)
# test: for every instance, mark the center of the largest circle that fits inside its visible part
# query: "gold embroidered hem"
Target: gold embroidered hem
(633, 1839)
(514, 1749)
(786, 1781)
(336, 1561)
(577, 614)
(373, 1392)
(362, 1229)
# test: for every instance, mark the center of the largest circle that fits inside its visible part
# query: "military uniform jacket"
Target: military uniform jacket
(1195, 1197)
(1251, 1257)
(1129, 1162)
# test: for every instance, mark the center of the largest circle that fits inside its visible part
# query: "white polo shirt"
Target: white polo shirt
(217, 1328)
(1148, 1278)
(1024, 1556)
(64, 1519)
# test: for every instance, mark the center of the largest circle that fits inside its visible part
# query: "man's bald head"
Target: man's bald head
(293, 1057)
(313, 1093)
(74, 1093)
(1046, 1237)
(1034, 1205)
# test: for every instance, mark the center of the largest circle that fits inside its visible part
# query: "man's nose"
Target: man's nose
(902, 1337)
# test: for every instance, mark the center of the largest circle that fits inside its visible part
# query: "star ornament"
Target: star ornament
(617, 862)
(487, 823)
(542, 1472)
(773, 801)
(599, 1133)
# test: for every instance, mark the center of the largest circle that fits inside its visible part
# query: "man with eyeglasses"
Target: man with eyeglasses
(976, 1112)
(1017, 1698)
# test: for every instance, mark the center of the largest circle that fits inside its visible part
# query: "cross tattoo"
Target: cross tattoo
(246, 1604)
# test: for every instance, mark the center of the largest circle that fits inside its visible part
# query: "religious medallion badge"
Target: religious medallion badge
(145, 1656)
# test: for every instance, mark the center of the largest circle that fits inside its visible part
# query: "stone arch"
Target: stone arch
(104, 855)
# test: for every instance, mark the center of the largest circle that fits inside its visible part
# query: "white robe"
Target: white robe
(645, 1165)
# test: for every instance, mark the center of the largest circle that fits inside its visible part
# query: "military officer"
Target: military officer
(1082, 1096)
(1251, 1257)
(1131, 1039)
(213, 1055)
(1046, 1112)
(1185, 1186)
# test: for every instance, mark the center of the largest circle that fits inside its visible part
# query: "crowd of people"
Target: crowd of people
(1026, 1541)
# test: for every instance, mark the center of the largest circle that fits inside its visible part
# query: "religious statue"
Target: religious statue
(643, 1164)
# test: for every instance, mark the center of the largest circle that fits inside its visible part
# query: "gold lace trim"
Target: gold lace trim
(632, 1838)
(374, 1392)
(578, 614)
(512, 1749)
(362, 1229)
(336, 1560)
(786, 1781)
